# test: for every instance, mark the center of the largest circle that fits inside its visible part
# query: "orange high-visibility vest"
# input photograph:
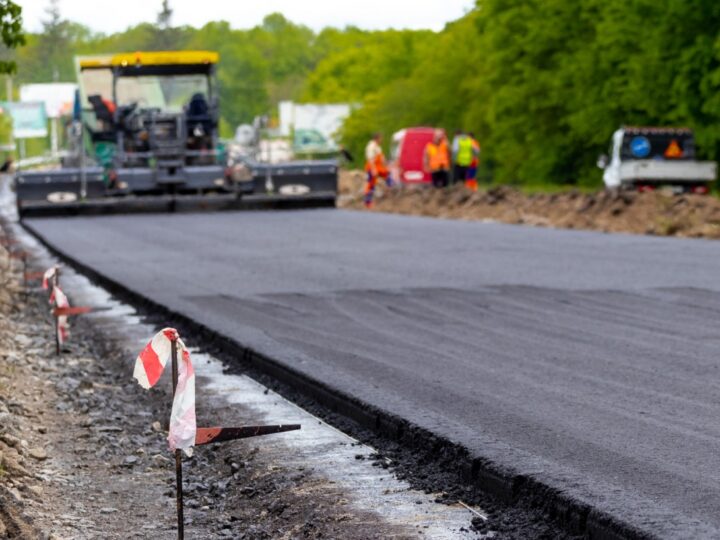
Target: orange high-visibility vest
(476, 153)
(438, 156)
(380, 165)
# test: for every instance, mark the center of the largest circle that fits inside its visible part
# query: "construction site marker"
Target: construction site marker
(61, 306)
(71, 310)
(184, 433)
(221, 434)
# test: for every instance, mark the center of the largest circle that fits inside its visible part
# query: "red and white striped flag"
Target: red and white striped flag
(60, 300)
(47, 276)
(149, 367)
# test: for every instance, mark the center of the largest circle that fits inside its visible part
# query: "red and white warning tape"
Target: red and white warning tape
(149, 367)
(48, 275)
(60, 301)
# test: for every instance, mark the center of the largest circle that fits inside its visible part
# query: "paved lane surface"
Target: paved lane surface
(590, 361)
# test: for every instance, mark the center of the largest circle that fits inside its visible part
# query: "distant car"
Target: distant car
(645, 158)
(406, 155)
(310, 142)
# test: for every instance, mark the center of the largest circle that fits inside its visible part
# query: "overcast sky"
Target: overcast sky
(116, 15)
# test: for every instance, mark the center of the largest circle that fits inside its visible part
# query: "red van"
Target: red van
(406, 155)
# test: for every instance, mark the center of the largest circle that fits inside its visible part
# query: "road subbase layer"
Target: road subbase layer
(587, 362)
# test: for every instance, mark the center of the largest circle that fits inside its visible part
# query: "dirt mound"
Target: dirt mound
(658, 213)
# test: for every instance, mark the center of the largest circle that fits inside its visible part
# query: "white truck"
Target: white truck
(645, 158)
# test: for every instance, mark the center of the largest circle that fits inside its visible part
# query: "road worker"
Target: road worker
(471, 177)
(462, 153)
(110, 104)
(436, 159)
(375, 167)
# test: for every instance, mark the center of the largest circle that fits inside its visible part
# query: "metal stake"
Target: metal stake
(178, 455)
(57, 335)
(56, 283)
(25, 272)
(25, 278)
(83, 173)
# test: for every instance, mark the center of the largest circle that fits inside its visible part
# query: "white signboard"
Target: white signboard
(326, 119)
(58, 97)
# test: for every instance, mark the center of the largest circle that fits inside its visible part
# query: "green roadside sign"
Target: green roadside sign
(28, 117)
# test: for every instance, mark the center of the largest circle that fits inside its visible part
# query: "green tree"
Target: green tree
(243, 91)
(165, 37)
(242, 72)
(286, 51)
(11, 32)
(561, 76)
(366, 63)
(50, 53)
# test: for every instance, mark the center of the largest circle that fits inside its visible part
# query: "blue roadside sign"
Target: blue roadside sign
(640, 146)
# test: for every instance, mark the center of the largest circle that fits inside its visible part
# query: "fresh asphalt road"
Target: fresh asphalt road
(590, 361)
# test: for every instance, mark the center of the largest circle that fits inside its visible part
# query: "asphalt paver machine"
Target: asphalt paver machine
(144, 131)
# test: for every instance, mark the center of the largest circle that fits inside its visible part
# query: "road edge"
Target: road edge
(499, 481)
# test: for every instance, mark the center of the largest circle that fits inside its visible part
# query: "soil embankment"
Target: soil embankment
(656, 213)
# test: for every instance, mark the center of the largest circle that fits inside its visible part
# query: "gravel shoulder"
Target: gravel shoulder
(83, 451)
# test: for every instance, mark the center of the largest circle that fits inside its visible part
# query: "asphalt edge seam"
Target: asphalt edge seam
(505, 484)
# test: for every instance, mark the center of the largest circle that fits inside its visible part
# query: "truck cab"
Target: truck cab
(645, 158)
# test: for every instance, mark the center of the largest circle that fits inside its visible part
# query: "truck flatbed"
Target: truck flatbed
(654, 171)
